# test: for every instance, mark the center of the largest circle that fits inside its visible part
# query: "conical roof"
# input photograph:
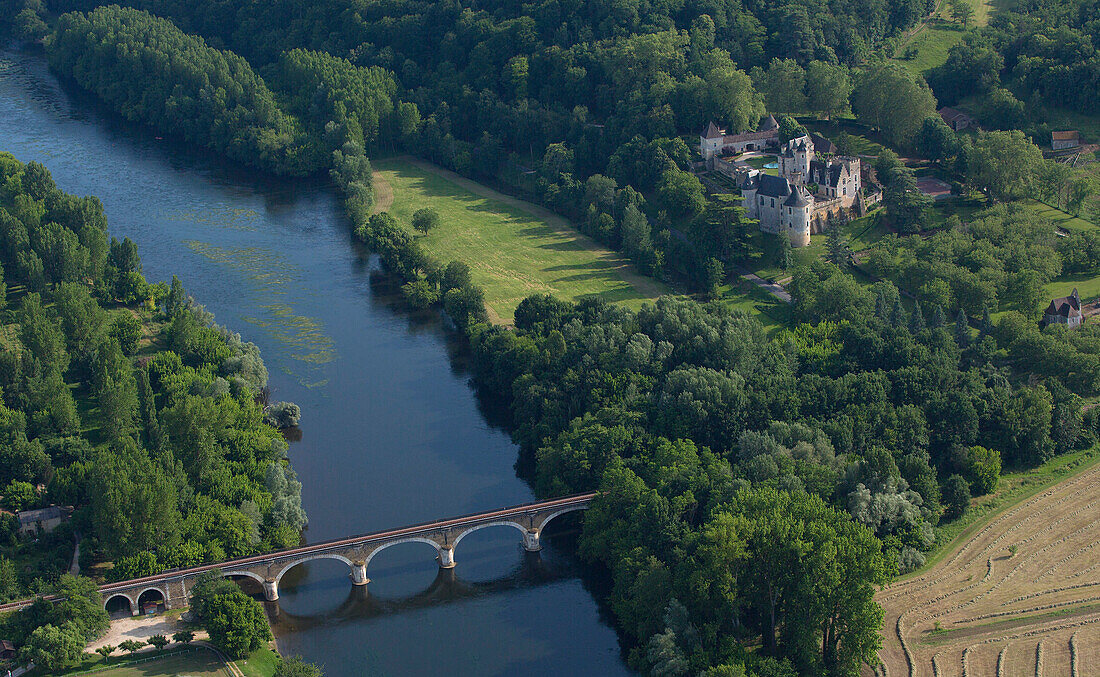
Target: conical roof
(768, 124)
(797, 199)
(712, 131)
(749, 183)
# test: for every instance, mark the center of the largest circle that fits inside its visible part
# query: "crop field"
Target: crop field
(514, 248)
(1020, 596)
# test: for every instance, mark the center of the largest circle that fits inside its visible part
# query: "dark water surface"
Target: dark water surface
(392, 433)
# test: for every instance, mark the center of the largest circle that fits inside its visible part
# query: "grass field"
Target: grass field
(1014, 585)
(514, 249)
(197, 662)
(933, 39)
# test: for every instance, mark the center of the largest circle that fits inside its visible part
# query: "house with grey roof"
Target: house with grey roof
(1065, 310)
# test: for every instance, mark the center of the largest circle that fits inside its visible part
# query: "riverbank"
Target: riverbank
(394, 433)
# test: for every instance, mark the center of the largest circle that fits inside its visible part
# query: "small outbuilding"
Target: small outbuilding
(956, 119)
(42, 520)
(1065, 310)
(7, 650)
(1065, 140)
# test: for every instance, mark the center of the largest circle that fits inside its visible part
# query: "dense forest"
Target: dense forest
(123, 399)
(727, 457)
(757, 488)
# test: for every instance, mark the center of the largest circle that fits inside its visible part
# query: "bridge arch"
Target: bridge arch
(558, 513)
(246, 574)
(160, 593)
(486, 525)
(130, 603)
(310, 558)
(411, 539)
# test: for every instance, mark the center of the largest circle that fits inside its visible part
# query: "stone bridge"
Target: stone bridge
(171, 587)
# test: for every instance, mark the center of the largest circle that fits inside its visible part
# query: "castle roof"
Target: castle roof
(768, 123)
(712, 132)
(1066, 306)
(772, 186)
(823, 145)
(796, 199)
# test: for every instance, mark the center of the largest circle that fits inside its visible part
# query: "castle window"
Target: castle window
(773, 201)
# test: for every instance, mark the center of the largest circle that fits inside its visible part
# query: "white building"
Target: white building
(807, 192)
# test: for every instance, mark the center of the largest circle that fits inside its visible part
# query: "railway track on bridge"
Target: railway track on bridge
(356, 551)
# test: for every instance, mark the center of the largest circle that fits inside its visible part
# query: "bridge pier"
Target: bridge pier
(359, 574)
(271, 591)
(446, 558)
(531, 541)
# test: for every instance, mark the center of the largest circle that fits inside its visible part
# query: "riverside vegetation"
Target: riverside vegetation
(123, 399)
(757, 489)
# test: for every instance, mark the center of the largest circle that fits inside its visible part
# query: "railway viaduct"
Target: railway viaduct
(357, 551)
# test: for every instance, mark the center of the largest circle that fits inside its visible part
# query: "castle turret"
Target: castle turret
(710, 141)
(797, 210)
(748, 192)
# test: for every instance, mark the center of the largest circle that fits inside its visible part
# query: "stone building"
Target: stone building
(807, 192)
(42, 520)
(1064, 140)
(714, 142)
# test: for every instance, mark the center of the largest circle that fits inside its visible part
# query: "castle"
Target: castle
(808, 190)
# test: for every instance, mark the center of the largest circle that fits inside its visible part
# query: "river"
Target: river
(392, 433)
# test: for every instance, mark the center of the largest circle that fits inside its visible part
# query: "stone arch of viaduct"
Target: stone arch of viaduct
(356, 552)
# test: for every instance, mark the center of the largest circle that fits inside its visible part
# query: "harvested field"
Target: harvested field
(1021, 596)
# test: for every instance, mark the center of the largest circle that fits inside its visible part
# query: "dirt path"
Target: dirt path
(383, 193)
(1024, 585)
(140, 628)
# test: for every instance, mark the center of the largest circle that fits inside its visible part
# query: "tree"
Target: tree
(425, 219)
(783, 258)
(982, 468)
(296, 667)
(916, 320)
(236, 623)
(1005, 164)
(106, 650)
(183, 637)
(828, 88)
(789, 128)
(158, 642)
(176, 299)
(132, 646)
(18, 496)
(962, 329)
(890, 98)
(836, 245)
(935, 140)
(962, 12)
(52, 648)
(783, 85)
(956, 495)
(680, 193)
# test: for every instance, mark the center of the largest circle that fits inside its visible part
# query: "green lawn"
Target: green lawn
(261, 663)
(514, 249)
(938, 35)
(196, 662)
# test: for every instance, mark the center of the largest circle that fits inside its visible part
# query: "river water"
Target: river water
(392, 433)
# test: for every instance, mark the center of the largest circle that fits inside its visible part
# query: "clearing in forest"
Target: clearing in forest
(1020, 590)
(514, 249)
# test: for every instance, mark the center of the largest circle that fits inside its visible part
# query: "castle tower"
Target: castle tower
(798, 209)
(748, 191)
(710, 142)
